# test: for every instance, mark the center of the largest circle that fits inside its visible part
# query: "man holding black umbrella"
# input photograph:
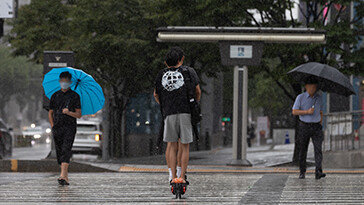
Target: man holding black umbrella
(308, 106)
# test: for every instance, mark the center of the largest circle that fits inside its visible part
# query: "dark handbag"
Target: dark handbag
(195, 107)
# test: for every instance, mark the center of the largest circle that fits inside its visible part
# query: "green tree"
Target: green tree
(41, 25)
(109, 38)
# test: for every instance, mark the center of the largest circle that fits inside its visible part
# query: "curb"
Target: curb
(47, 165)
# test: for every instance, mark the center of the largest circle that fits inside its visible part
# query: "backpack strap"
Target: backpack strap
(190, 90)
(160, 99)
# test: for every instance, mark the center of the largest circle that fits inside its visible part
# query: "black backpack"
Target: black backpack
(195, 107)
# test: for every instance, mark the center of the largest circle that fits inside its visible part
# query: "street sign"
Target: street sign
(6, 9)
(241, 53)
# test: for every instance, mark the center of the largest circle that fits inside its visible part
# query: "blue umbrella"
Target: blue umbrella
(92, 97)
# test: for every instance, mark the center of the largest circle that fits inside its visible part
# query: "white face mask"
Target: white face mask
(65, 85)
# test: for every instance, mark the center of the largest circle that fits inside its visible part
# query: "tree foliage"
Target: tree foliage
(41, 25)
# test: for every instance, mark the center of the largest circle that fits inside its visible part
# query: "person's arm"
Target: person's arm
(50, 116)
(296, 109)
(303, 112)
(321, 109)
(198, 93)
(76, 102)
(77, 114)
(156, 96)
(51, 110)
(195, 81)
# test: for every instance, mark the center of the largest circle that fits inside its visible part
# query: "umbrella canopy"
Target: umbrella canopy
(91, 95)
(330, 79)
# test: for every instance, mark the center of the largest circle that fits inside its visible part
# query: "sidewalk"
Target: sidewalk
(263, 156)
(263, 159)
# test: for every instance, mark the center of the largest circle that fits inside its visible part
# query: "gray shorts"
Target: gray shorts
(178, 126)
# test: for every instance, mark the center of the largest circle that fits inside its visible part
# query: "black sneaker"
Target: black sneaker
(319, 175)
(302, 176)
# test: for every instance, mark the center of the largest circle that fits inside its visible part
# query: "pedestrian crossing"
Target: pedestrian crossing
(128, 188)
(205, 188)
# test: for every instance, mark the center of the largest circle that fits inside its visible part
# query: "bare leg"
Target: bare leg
(173, 157)
(167, 155)
(179, 154)
(64, 171)
(185, 158)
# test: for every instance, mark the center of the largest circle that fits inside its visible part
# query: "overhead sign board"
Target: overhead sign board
(6, 9)
(57, 59)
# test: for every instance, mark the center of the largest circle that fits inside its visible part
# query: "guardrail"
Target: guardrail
(344, 130)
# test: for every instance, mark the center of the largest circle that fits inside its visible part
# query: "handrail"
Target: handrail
(344, 112)
(344, 130)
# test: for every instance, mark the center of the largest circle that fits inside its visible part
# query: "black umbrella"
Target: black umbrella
(330, 79)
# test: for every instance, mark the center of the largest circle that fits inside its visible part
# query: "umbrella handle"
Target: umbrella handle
(68, 103)
(313, 106)
(78, 82)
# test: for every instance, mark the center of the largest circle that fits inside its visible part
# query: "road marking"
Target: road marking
(14, 165)
(272, 184)
(257, 171)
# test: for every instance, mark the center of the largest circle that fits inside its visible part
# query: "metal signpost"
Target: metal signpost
(240, 47)
(240, 55)
(54, 60)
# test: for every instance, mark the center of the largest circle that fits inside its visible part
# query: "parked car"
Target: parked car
(88, 137)
(6, 140)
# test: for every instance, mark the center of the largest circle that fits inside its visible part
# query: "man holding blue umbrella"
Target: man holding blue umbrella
(64, 108)
(69, 89)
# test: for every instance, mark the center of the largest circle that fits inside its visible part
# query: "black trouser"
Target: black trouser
(305, 132)
(63, 139)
